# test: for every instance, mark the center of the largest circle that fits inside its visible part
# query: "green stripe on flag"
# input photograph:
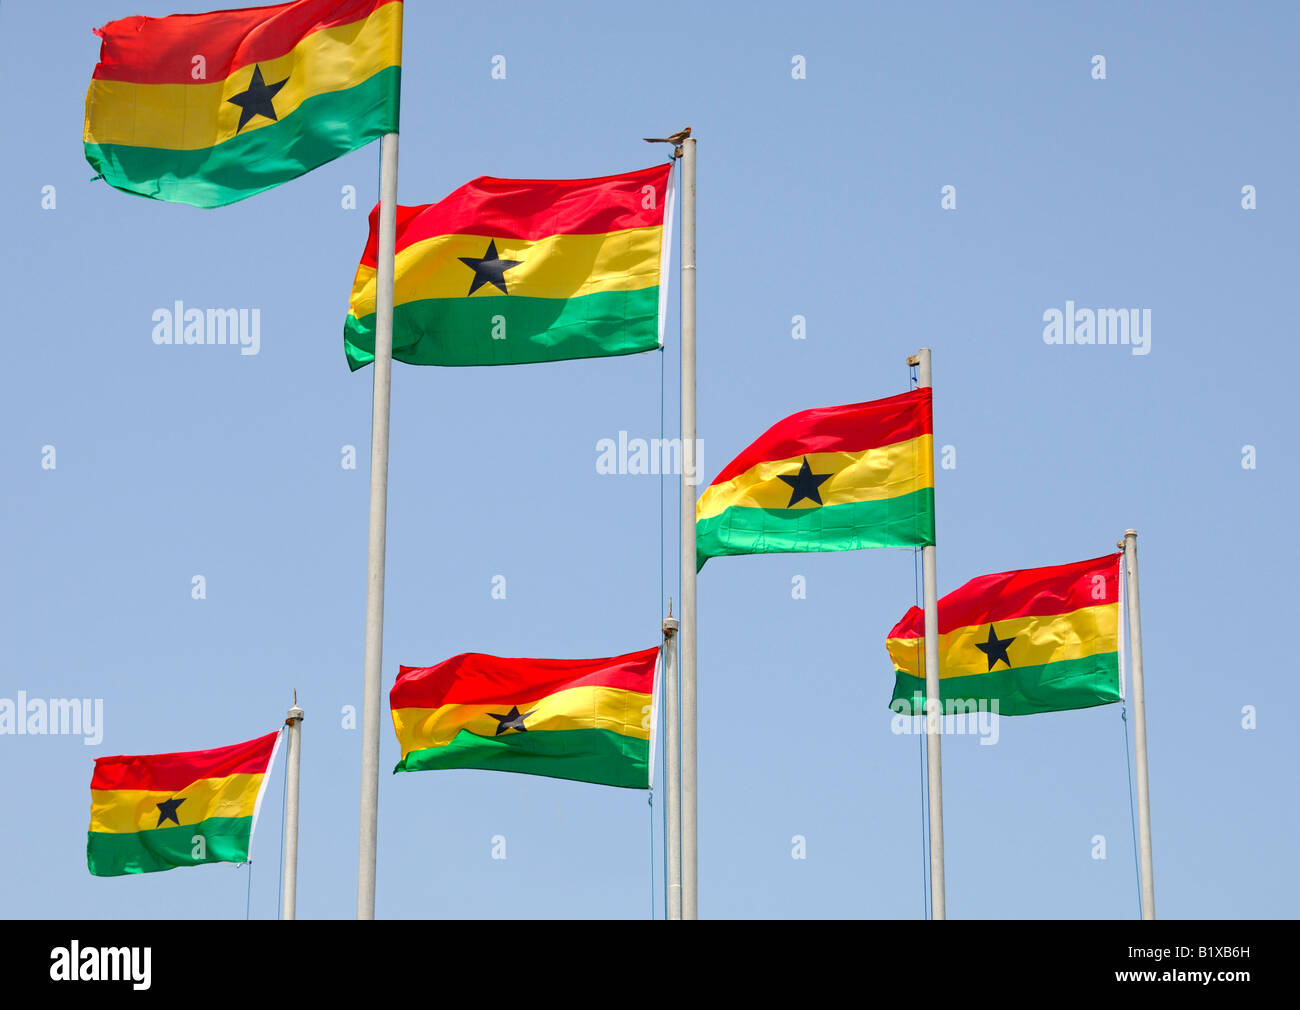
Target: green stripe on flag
(585, 755)
(1049, 687)
(512, 330)
(904, 521)
(224, 840)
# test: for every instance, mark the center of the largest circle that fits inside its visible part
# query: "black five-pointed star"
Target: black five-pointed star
(805, 484)
(511, 720)
(491, 269)
(256, 101)
(167, 811)
(995, 648)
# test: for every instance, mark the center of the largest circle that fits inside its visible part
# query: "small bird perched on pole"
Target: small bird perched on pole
(675, 139)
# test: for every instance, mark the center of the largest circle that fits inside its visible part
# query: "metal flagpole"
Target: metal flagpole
(672, 768)
(372, 693)
(933, 699)
(290, 893)
(690, 475)
(1129, 543)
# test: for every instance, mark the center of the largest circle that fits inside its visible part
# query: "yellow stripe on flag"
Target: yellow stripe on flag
(120, 811)
(558, 266)
(1036, 641)
(872, 475)
(191, 117)
(621, 711)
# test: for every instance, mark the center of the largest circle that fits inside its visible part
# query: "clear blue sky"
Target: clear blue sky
(817, 197)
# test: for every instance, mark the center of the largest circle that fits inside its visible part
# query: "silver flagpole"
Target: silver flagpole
(933, 697)
(690, 475)
(372, 692)
(289, 899)
(672, 768)
(1129, 543)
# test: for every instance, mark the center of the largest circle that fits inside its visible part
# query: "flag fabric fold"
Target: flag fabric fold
(151, 812)
(513, 271)
(583, 719)
(1032, 640)
(207, 109)
(828, 479)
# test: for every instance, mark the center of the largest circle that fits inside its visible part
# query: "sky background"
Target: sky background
(817, 197)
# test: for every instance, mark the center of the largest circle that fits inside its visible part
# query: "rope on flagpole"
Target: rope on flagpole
(650, 800)
(1132, 814)
(925, 799)
(662, 480)
(659, 614)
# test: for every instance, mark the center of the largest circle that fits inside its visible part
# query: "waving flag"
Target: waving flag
(509, 271)
(585, 719)
(1034, 640)
(152, 812)
(207, 109)
(829, 479)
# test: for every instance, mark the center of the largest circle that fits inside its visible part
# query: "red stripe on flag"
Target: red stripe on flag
(531, 209)
(1028, 592)
(473, 678)
(173, 772)
(853, 427)
(144, 50)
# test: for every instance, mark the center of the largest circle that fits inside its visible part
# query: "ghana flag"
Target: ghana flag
(1035, 640)
(152, 812)
(583, 719)
(828, 479)
(207, 109)
(511, 271)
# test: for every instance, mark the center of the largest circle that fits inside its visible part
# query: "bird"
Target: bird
(676, 139)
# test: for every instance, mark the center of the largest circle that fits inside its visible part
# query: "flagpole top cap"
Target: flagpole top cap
(671, 624)
(1130, 533)
(294, 714)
